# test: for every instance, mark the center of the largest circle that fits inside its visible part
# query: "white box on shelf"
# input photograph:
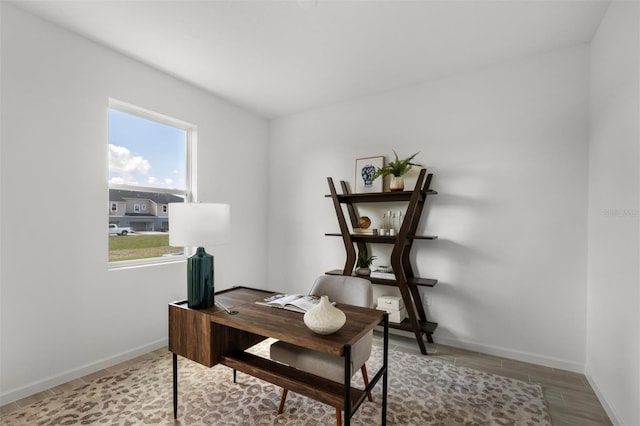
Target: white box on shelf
(391, 302)
(395, 315)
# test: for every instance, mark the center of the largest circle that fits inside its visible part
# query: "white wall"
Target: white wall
(508, 149)
(613, 339)
(62, 312)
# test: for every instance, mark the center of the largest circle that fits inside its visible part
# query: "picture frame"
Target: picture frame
(365, 168)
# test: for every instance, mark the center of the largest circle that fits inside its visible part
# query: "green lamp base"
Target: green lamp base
(200, 280)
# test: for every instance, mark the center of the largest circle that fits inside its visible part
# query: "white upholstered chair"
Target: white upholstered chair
(341, 289)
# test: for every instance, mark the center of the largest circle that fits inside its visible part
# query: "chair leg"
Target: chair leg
(282, 400)
(234, 376)
(365, 378)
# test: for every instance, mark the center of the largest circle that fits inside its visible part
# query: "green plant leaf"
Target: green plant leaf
(396, 167)
(364, 260)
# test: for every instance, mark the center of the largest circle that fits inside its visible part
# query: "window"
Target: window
(149, 167)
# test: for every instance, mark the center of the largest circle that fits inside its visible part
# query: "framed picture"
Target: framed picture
(365, 168)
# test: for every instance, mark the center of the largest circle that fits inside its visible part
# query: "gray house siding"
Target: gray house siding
(142, 211)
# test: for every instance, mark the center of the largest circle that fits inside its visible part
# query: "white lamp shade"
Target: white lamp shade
(198, 224)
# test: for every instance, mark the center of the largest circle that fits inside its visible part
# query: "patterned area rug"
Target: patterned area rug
(422, 391)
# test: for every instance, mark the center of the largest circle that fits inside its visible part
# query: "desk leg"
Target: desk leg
(347, 385)
(175, 385)
(385, 364)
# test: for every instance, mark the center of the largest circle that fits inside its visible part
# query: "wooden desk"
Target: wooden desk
(212, 336)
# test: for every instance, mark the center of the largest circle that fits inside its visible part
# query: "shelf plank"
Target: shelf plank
(427, 327)
(424, 282)
(378, 197)
(381, 239)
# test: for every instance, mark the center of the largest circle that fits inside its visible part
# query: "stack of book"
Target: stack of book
(363, 231)
(384, 272)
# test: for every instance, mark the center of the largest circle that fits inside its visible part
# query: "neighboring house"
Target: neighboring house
(143, 211)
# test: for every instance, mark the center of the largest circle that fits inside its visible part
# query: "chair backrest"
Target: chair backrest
(344, 289)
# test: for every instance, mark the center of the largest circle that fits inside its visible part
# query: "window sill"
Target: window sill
(141, 263)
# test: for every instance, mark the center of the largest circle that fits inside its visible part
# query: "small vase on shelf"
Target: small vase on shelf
(364, 272)
(396, 183)
(324, 318)
(363, 263)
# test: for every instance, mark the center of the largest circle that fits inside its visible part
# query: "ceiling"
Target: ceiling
(280, 57)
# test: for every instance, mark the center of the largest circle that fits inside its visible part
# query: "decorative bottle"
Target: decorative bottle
(383, 225)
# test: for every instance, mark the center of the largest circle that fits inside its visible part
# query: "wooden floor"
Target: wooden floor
(570, 398)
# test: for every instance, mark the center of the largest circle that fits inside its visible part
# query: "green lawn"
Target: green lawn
(138, 246)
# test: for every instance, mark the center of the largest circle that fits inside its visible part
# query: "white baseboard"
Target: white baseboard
(608, 408)
(75, 373)
(532, 358)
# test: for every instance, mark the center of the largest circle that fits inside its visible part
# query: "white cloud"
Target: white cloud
(168, 181)
(152, 180)
(125, 165)
(117, 180)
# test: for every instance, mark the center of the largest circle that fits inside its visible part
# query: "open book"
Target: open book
(291, 302)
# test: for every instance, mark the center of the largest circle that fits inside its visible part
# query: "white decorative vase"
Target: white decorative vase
(324, 318)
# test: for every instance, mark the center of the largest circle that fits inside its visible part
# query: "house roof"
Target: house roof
(123, 195)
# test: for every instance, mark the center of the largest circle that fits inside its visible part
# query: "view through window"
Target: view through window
(148, 169)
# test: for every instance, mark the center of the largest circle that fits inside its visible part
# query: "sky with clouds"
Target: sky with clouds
(145, 153)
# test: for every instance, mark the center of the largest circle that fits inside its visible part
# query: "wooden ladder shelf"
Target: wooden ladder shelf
(402, 242)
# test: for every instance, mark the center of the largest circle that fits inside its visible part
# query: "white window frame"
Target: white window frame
(187, 193)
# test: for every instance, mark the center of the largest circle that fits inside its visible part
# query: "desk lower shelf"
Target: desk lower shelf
(309, 385)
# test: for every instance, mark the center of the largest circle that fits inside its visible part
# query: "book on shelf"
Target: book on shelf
(385, 274)
(291, 302)
(362, 231)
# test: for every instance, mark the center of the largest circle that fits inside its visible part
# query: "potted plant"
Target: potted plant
(362, 264)
(396, 168)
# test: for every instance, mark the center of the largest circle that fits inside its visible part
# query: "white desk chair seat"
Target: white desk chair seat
(341, 289)
(322, 364)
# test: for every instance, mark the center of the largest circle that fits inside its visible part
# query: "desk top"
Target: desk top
(286, 325)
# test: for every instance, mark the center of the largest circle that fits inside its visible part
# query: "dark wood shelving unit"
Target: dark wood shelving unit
(402, 242)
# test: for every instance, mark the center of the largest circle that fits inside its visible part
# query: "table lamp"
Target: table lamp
(199, 225)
